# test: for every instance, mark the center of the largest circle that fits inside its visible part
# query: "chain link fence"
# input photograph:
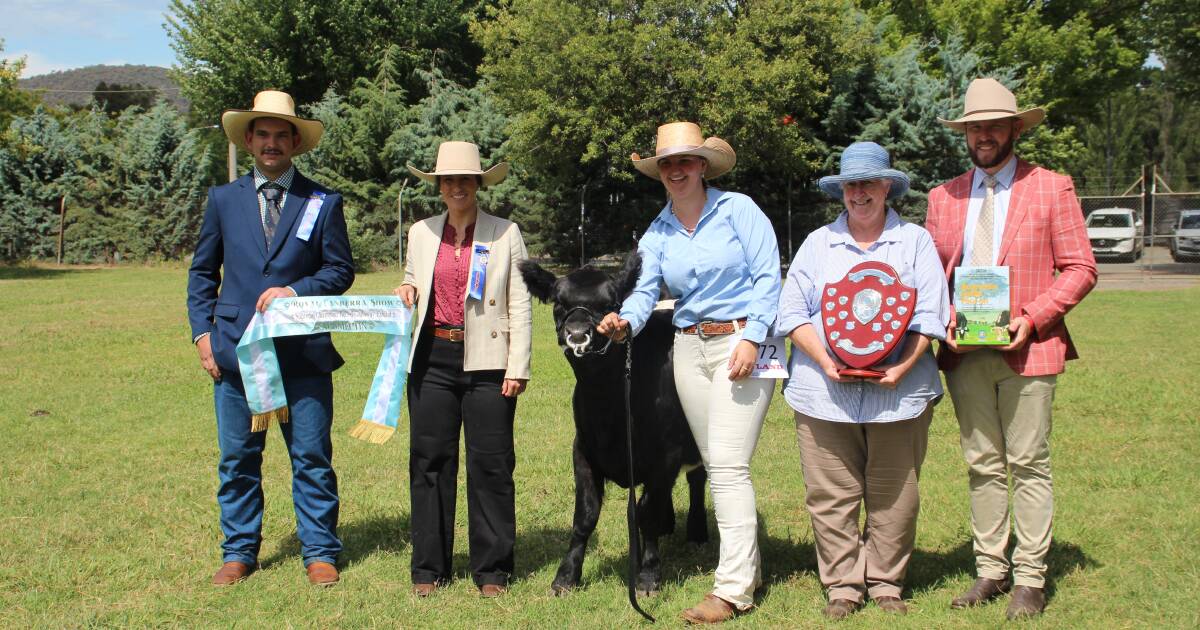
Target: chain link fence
(1145, 240)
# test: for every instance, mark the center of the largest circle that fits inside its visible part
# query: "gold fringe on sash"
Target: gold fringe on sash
(262, 421)
(371, 432)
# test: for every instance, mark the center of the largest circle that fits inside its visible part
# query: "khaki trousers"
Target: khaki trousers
(1004, 427)
(876, 465)
(725, 417)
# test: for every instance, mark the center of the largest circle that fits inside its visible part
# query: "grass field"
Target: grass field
(109, 517)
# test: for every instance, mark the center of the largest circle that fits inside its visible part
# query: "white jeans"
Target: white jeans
(726, 418)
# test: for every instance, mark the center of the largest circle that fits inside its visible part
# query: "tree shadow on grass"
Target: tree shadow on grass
(681, 560)
(929, 571)
(39, 273)
(360, 539)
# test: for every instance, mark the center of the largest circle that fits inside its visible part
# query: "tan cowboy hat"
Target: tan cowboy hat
(684, 138)
(271, 104)
(461, 158)
(988, 99)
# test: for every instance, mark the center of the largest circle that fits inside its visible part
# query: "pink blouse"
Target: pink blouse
(450, 276)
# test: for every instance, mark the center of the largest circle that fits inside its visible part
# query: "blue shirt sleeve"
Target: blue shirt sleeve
(757, 237)
(932, 314)
(794, 311)
(637, 307)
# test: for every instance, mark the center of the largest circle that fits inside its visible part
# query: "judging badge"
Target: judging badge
(865, 315)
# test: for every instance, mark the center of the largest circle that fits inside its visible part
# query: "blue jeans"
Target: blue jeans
(314, 484)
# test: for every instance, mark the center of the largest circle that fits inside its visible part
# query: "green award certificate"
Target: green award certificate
(981, 306)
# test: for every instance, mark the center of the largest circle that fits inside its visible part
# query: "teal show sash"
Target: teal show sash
(285, 317)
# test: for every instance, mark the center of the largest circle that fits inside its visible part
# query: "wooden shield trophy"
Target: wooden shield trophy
(865, 315)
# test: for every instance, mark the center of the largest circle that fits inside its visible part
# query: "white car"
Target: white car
(1116, 233)
(1186, 243)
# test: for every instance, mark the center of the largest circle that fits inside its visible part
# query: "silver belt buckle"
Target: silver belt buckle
(700, 328)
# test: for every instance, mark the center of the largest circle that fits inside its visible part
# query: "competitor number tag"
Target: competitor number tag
(772, 357)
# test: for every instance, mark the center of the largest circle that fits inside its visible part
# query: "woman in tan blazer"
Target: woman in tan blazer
(469, 363)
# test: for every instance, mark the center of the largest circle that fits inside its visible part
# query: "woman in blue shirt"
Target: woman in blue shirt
(862, 442)
(716, 251)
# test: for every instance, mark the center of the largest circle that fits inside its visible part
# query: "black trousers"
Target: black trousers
(441, 398)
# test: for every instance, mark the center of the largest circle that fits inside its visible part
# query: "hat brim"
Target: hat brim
(235, 122)
(720, 157)
(1029, 117)
(490, 177)
(832, 184)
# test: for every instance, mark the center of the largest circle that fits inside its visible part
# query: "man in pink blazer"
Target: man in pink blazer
(1008, 212)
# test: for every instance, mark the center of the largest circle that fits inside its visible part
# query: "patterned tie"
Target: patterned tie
(981, 249)
(272, 193)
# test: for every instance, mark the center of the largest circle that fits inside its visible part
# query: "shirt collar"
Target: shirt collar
(713, 199)
(283, 181)
(840, 229)
(1004, 177)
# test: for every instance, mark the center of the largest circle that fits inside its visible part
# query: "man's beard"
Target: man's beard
(1002, 154)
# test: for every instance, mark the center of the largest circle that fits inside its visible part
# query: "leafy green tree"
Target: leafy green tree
(587, 83)
(230, 49)
(1068, 52)
(38, 166)
(1174, 27)
(116, 97)
(162, 171)
(13, 101)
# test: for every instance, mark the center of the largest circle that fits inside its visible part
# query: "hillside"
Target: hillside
(83, 80)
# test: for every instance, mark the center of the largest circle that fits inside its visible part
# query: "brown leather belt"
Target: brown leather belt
(450, 334)
(709, 329)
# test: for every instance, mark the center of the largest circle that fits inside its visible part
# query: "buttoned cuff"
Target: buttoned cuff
(754, 331)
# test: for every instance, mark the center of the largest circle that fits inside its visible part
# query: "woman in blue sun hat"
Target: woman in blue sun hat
(862, 440)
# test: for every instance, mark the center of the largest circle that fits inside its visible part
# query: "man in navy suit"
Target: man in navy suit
(274, 233)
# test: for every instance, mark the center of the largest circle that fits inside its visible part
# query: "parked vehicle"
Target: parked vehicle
(1116, 233)
(1186, 242)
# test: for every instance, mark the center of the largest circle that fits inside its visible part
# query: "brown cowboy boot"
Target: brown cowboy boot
(893, 605)
(492, 590)
(1027, 601)
(231, 573)
(711, 609)
(322, 574)
(982, 591)
(838, 609)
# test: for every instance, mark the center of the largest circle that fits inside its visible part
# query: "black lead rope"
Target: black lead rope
(635, 547)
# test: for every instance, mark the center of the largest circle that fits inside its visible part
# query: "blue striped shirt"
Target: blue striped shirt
(726, 270)
(826, 256)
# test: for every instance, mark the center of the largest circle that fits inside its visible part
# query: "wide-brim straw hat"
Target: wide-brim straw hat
(988, 99)
(461, 158)
(271, 104)
(684, 138)
(862, 161)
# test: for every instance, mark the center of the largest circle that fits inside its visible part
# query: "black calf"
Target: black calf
(662, 442)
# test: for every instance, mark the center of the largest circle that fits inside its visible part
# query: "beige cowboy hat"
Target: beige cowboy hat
(271, 104)
(461, 158)
(987, 99)
(684, 138)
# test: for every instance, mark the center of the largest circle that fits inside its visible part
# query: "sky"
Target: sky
(61, 34)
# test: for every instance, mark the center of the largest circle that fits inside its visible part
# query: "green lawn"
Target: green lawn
(109, 517)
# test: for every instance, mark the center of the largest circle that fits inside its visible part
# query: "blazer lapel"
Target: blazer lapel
(248, 197)
(960, 195)
(428, 253)
(1016, 208)
(297, 197)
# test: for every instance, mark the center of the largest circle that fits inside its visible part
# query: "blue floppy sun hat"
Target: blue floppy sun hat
(861, 161)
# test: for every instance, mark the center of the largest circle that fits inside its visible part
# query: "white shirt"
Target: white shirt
(1004, 182)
